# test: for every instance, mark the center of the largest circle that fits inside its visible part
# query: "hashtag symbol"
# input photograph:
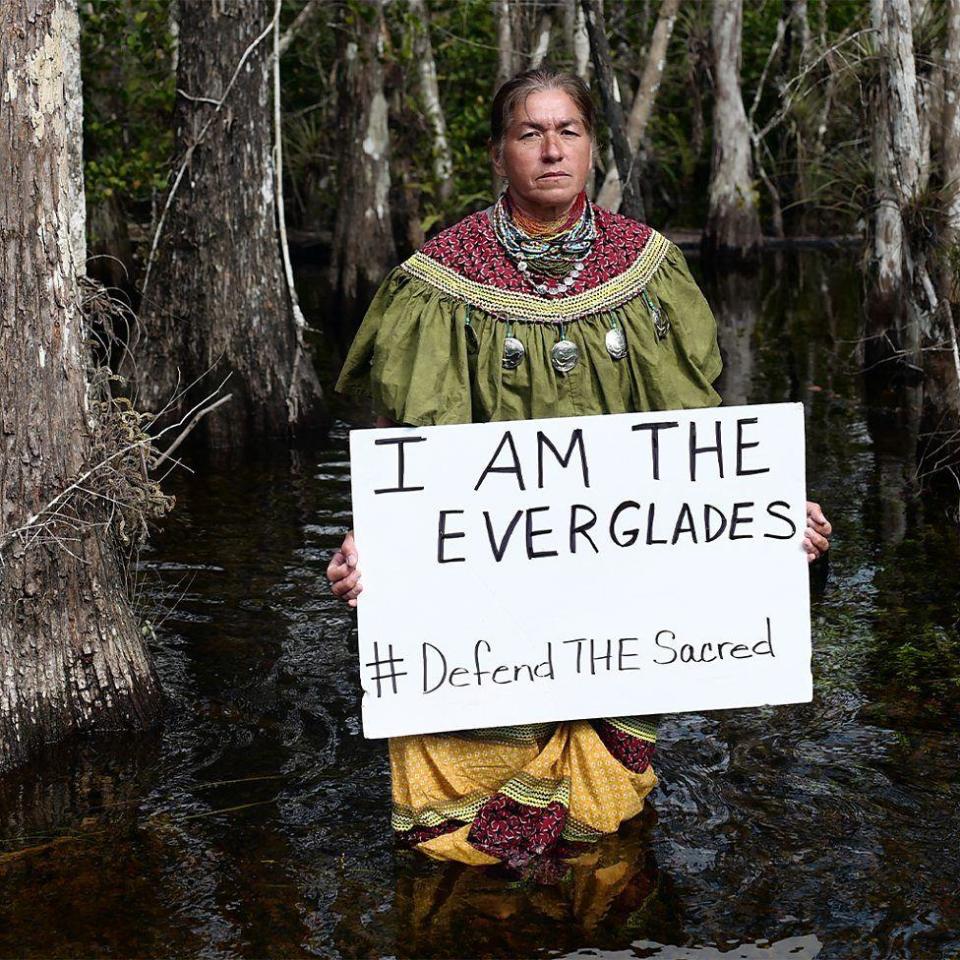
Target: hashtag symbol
(390, 663)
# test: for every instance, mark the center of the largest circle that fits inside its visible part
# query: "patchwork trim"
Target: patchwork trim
(463, 808)
(512, 305)
(522, 735)
(536, 792)
(576, 831)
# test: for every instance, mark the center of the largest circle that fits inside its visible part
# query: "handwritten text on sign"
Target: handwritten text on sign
(579, 567)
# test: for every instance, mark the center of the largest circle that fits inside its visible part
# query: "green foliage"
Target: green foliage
(916, 650)
(129, 87)
(920, 662)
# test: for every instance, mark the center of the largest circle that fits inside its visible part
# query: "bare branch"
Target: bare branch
(193, 422)
(792, 88)
(301, 19)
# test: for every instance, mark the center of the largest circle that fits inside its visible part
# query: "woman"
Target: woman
(541, 306)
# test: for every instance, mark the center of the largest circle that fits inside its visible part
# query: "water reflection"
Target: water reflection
(256, 823)
(735, 298)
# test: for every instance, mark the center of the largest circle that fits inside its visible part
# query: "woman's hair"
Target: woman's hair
(515, 91)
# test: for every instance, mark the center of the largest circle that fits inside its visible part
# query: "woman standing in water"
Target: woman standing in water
(543, 305)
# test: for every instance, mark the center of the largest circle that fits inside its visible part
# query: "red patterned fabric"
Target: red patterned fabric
(633, 752)
(516, 833)
(471, 249)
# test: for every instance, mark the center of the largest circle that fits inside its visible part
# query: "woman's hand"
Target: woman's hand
(815, 539)
(343, 572)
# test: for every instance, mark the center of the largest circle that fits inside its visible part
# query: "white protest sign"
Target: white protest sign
(577, 567)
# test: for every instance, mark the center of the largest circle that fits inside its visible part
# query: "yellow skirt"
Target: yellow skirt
(520, 794)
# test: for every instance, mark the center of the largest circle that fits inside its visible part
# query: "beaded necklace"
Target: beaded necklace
(546, 228)
(558, 257)
(557, 251)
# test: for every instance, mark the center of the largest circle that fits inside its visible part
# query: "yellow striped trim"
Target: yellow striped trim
(404, 818)
(522, 734)
(508, 304)
(535, 791)
(640, 729)
(576, 831)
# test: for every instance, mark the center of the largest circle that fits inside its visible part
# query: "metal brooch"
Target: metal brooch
(616, 343)
(661, 323)
(513, 353)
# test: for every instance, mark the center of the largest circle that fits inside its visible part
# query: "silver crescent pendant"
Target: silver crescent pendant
(513, 353)
(564, 355)
(616, 343)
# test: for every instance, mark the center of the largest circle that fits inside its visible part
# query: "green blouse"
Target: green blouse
(414, 357)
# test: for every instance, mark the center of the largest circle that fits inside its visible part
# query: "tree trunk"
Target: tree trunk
(73, 657)
(508, 62)
(610, 194)
(902, 297)
(951, 123)
(885, 306)
(733, 224)
(893, 19)
(925, 94)
(542, 46)
(363, 244)
(578, 43)
(215, 296)
(627, 169)
(796, 47)
(949, 266)
(442, 158)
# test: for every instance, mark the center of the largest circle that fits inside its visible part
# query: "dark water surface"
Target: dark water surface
(257, 822)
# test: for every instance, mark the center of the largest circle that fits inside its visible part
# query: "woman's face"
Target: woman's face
(547, 154)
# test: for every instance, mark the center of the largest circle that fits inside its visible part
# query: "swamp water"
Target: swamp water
(256, 823)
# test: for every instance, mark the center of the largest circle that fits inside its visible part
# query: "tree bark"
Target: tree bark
(925, 94)
(901, 300)
(627, 169)
(642, 107)
(949, 266)
(73, 657)
(951, 122)
(885, 305)
(363, 244)
(215, 297)
(733, 224)
(442, 157)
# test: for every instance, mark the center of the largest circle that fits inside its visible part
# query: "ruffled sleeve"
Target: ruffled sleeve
(692, 324)
(410, 355)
